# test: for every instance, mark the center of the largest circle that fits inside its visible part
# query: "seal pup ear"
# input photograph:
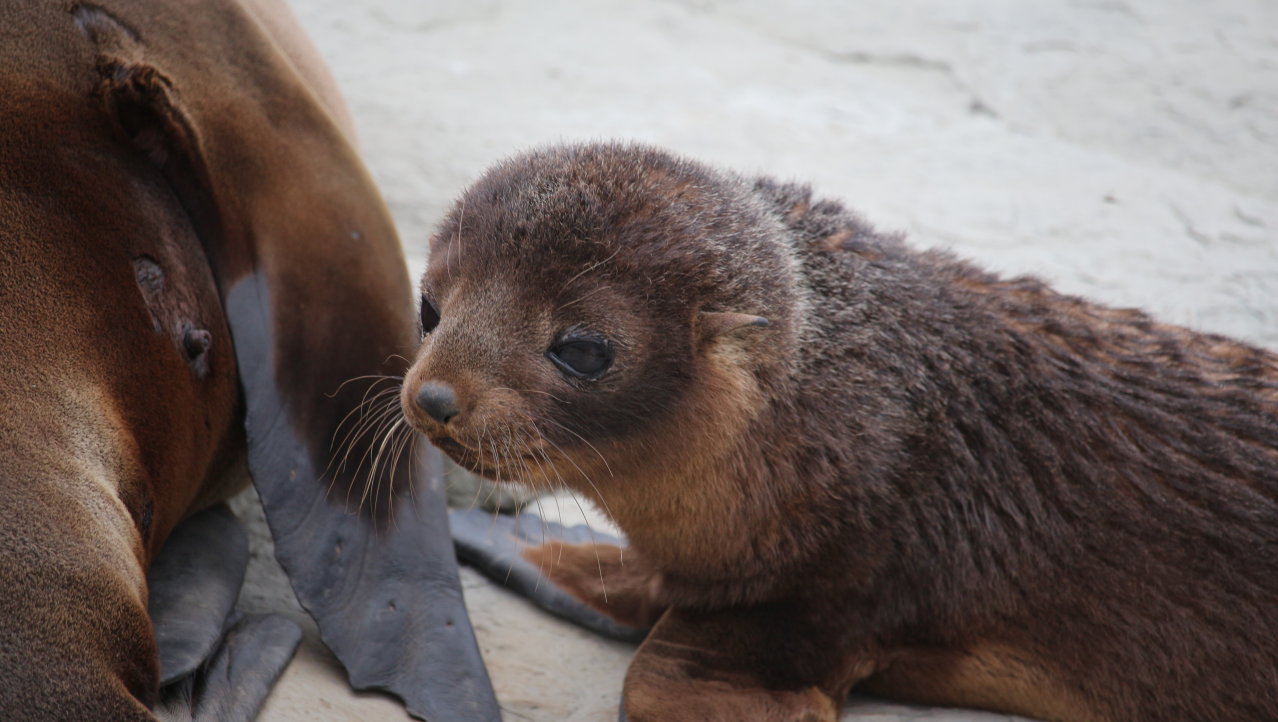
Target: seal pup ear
(713, 324)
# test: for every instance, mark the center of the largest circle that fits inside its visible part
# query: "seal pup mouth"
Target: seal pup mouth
(450, 445)
(511, 467)
(465, 456)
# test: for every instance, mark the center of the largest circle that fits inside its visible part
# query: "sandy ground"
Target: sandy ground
(1127, 151)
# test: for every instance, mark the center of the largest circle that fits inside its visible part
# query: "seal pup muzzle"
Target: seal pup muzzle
(843, 462)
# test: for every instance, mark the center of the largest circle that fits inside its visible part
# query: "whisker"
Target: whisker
(499, 464)
(371, 422)
(572, 461)
(380, 377)
(531, 391)
(409, 444)
(407, 438)
(587, 443)
(385, 419)
(589, 527)
(363, 404)
(392, 445)
(491, 484)
(592, 267)
(461, 219)
(371, 479)
(541, 512)
(369, 409)
(361, 428)
(384, 480)
(583, 297)
(461, 222)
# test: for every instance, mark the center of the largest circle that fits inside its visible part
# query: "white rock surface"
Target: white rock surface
(1127, 151)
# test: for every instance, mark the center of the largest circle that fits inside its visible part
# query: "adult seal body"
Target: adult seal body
(193, 261)
(841, 462)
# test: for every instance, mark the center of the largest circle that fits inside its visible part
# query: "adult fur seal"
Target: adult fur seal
(843, 462)
(192, 263)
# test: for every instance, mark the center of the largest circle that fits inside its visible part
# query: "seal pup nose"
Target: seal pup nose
(438, 400)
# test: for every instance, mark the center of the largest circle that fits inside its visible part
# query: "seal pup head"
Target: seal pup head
(598, 314)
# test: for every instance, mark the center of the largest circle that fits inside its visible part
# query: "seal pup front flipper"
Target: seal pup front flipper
(574, 573)
(316, 294)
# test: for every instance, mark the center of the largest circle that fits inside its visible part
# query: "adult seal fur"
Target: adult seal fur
(841, 462)
(193, 262)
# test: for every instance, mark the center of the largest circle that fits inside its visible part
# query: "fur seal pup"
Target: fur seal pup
(843, 462)
(193, 261)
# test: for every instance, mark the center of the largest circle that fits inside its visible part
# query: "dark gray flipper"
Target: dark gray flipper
(491, 543)
(206, 671)
(234, 684)
(385, 594)
(194, 582)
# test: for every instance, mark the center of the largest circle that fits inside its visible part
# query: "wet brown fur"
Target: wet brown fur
(120, 411)
(921, 478)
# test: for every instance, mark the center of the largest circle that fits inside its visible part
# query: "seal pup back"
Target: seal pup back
(840, 461)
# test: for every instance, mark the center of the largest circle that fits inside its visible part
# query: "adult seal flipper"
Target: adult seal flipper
(193, 584)
(212, 666)
(233, 684)
(315, 292)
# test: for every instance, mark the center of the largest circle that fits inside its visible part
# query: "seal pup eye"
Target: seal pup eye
(581, 357)
(430, 315)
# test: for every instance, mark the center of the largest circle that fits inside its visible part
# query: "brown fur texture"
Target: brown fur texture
(947, 486)
(152, 154)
